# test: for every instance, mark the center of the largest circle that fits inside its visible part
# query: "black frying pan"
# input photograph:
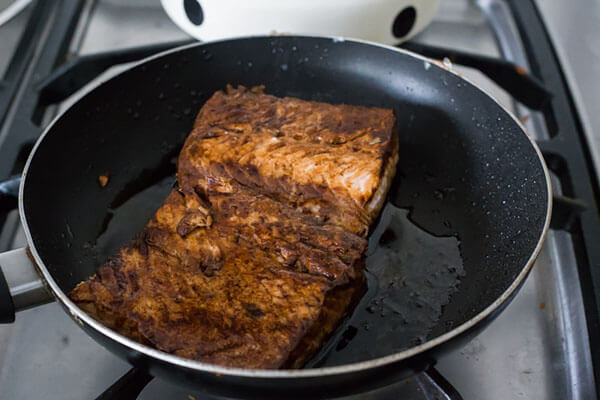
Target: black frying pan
(468, 174)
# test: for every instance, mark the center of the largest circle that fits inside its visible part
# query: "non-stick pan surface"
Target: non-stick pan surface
(467, 171)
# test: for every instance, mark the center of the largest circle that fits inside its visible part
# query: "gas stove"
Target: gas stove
(539, 348)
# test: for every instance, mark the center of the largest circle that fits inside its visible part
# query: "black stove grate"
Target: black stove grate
(567, 155)
(43, 45)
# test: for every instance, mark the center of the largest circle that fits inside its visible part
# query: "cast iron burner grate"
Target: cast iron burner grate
(42, 74)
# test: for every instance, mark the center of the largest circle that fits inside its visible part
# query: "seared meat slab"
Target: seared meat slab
(258, 254)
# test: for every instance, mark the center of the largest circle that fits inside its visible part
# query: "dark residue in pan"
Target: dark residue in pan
(411, 275)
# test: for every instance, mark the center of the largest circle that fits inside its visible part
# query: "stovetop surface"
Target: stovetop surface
(534, 350)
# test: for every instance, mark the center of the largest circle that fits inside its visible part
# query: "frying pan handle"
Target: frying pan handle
(20, 285)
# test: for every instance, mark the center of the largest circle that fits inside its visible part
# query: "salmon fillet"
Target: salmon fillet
(257, 255)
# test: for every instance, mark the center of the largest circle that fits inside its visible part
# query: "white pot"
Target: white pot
(374, 20)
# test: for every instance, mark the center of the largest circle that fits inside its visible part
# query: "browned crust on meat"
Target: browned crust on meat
(338, 303)
(327, 159)
(250, 264)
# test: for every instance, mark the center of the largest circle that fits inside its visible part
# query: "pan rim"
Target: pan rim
(81, 317)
